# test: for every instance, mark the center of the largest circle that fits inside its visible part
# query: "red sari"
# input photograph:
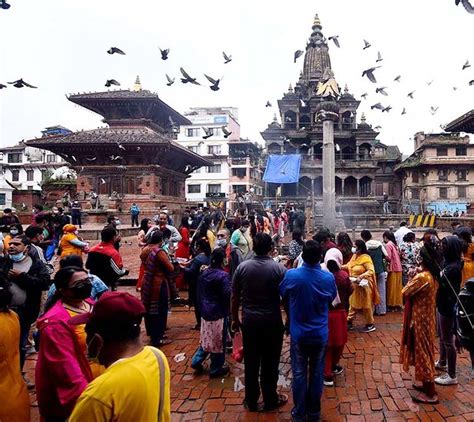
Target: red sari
(183, 251)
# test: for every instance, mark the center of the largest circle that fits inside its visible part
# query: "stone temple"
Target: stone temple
(364, 167)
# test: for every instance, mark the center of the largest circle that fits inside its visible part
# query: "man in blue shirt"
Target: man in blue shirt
(307, 292)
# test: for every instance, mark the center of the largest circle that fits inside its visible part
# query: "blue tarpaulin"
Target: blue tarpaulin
(283, 168)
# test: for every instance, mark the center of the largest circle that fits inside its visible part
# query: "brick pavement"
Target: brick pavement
(372, 387)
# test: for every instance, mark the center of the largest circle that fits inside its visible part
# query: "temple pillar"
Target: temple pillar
(342, 187)
(329, 174)
(357, 153)
(358, 187)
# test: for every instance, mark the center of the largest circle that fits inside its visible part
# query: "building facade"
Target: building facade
(364, 165)
(439, 176)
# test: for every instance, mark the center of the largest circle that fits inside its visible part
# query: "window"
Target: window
(194, 148)
(214, 149)
(442, 151)
(51, 158)
(192, 132)
(30, 174)
(414, 176)
(3, 199)
(216, 168)
(415, 193)
(443, 175)
(239, 172)
(461, 191)
(194, 188)
(216, 131)
(443, 193)
(15, 175)
(462, 175)
(461, 150)
(239, 188)
(378, 189)
(14, 157)
(214, 188)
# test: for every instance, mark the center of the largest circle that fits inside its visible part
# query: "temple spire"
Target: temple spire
(137, 86)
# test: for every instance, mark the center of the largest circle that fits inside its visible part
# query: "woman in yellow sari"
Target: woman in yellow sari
(365, 295)
(465, 234)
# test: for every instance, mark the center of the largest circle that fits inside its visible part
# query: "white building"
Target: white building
(210, 182)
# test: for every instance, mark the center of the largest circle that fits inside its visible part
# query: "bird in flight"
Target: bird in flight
(226, 132)
(379, 57)
(370, 74)
(20, 83)
(164, 53)
(404, 111)
(378, 106)
(366, 45)
(397, 79)
(2, 86)
(120, 146)
(214, 82)
(381, 90)
(186, 78)
(113, 50)
(467, 5)
(433, 110)
(466, 65)
(471, 83)
(170, 81)
(102, 181)
(410, 94)
(172, 122)
(208, 132)
(227, 58)
(364, 95)
(430, 82)
(91, 158)
(111, 82)
(4, 5)
(387, 109)
(335, 40)
(268, 104)
(116, 157)
(377, 127)
(298, 53)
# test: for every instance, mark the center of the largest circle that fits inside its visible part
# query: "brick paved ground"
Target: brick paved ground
(372, 388)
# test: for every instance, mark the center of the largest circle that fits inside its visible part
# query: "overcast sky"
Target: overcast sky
(60, 46)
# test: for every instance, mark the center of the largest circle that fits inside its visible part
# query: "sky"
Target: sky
(60, 46)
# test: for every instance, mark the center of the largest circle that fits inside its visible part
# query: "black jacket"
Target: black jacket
(35, 281)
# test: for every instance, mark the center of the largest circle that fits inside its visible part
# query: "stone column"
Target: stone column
(342, 186)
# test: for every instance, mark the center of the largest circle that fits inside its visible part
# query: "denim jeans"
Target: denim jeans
(447, 350)
(217, 359)
(382, 286)
(307, 365)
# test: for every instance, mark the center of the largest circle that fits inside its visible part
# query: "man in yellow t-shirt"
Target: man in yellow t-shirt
(136, 383)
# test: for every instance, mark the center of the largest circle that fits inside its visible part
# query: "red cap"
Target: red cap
(112, 309)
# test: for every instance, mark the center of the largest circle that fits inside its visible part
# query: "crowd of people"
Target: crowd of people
(240, 273)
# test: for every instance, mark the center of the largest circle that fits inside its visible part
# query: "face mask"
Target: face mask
(83, 291)
(353, 249)
(222, 243)
(17, 257)
(14, 232)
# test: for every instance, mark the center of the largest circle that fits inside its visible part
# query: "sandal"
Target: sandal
(424, 399)
(282, 400)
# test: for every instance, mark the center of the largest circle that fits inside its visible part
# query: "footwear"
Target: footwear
(369, 328)
(338, 370)
(282, 400)
(328, 382)
(424, 399)
(198, 367)
(223, 371)
(251, 407)
(440, 367)
(446, 379)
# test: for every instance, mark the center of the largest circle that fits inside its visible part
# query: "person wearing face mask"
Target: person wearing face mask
(223, 243)
(62, 369)
(241, 238)
(29, 277)
(364, 297)
(14, 230)
(136, 384)
(70, 243)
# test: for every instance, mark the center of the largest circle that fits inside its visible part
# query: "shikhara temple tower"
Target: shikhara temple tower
(135, 158)
(363, 165)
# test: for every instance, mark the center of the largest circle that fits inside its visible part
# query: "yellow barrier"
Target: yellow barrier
(421, 220)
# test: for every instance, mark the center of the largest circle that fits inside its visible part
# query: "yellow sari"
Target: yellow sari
(468, 268)
(361, 266)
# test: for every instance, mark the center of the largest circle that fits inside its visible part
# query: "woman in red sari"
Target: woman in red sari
(145, 225)
(184, 249)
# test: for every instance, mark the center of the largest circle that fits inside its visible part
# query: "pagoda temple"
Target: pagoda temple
(134, 159)
(364, 166)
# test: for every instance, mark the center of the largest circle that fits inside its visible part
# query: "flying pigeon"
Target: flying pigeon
(471, 83)
(208, 132)
(433, 110)
(170, 81)
(466, 65)
(429, 83)
(366, 45)
(227, 58)
(214, 82)
(364, 95)
(226, 132)
(377, 127)
(334, 38)
(379, 57)
(2, 86)
(113, 50)
(73, 158)
(410, 94)
(298, 53)
(188, 78)
(102, 181)
(455, 88)
(370, 74)
(172, 122)
(378, 106)
(91, 158)
(188, 168)
(116, 157)
(111, 82)
(387, 109)
(120, 146)
(268, 104)
(20, 83)
(381, 90)
(164, 53)
(397, 79)
(4, 5)
(467, 5)
(404, 111)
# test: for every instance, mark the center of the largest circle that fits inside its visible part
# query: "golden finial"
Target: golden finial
(362, 118)
(316, 22)
(138, 86)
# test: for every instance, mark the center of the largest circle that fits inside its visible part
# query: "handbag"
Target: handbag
(237, 347)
